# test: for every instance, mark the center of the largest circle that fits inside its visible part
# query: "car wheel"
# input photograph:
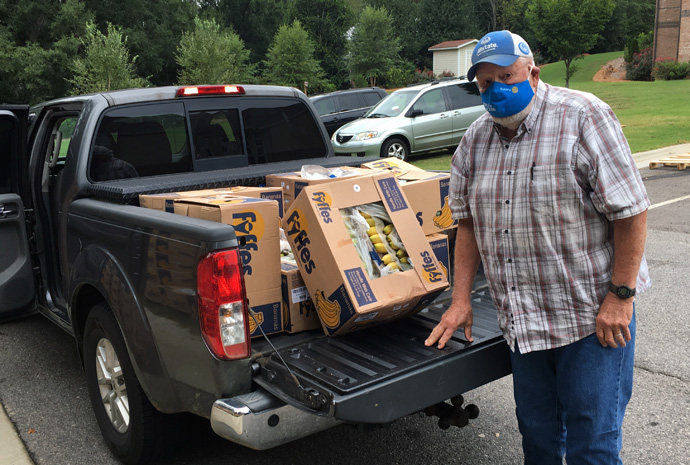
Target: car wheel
(396, 148)
(132, 428)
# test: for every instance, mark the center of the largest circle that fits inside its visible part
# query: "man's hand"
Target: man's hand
(613, 319)
(458, 315)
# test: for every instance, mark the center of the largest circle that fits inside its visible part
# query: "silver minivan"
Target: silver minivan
(413, 120)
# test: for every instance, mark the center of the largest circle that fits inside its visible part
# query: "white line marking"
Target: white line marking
(670, 201)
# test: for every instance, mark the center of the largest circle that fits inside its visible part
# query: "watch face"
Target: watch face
(623, 292)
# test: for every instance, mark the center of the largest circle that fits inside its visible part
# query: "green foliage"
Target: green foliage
(640, 68)
(209, 55)
(374, 46)
(290, 59)
(568, 28)
(668, 69)
(106, 64)
(327, 22)
(631, 48)
(629, 18)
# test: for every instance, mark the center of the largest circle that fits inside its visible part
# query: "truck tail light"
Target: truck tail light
(189, 91)
(222, 305)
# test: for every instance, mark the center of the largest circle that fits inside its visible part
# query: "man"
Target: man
(549, 198)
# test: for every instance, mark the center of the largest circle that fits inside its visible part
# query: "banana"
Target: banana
(253, 324)
(401, 253)
(443, 218)
(364, 215)
(404, 259)
(388, 229)
(380, 247)
(372, 231)
(386, 259)
(328, 311)
(375, 239)
(371, 221)
(394, 266)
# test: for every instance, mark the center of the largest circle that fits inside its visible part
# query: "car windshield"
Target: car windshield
(393, 104)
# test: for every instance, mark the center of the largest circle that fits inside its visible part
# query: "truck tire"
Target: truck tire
(396, 147)
(132, 428)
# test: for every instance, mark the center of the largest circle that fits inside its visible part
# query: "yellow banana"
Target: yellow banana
(401, 253)
(394, 266)
(380, 247)
(387, 229)
(371, 221)
(329, 312)
(443, 218)
(404, 259)
(372, 231)
(375, 239)
(365, 215)
(386, 259)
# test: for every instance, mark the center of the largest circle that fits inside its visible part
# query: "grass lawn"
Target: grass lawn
(653, 114)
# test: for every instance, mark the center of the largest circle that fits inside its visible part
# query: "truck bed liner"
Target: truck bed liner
(347, 375)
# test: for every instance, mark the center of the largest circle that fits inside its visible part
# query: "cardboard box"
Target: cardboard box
(165, 202)
(346, 299)
(299, 313)
(439, 245)
(256, 224)
(391, 164)
(428, 194)
(293, 183)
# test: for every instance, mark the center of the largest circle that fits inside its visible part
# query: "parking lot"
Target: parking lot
(43, 390)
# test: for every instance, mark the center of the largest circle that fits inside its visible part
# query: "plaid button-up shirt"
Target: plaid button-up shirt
(542, 205)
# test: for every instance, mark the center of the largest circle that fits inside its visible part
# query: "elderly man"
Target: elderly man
(549, 198)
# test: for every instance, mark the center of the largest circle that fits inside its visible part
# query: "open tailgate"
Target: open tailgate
(383, 373)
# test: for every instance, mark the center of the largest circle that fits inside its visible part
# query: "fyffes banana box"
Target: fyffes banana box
(256, 225)
(299, 313)
(293, 183)
(428, 194)
(345, 296)
(166, 201)
(392, 164)
(439, 245)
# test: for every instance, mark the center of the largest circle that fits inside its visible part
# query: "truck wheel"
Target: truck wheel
(395, 148)
(132, 428)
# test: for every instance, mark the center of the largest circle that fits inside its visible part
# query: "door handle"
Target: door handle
(442, 116)
(6, 213)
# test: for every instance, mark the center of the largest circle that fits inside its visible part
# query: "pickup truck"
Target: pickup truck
(78, 249)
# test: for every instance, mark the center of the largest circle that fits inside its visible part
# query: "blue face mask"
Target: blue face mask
(502, 100)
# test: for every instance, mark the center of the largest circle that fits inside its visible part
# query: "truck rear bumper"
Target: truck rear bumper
(260, 421)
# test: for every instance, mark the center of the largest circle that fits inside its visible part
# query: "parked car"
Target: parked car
(341, 107)
(413, 120)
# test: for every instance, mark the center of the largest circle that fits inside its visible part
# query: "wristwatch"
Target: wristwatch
(622, 291)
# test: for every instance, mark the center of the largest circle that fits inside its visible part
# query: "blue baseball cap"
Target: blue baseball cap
(501, 48)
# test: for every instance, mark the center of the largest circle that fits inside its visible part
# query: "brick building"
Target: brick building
(672, 30)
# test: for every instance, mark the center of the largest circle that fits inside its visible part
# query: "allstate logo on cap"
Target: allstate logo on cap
(485, 40)
(523, 48)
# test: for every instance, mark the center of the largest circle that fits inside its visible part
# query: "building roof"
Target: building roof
(450, 44)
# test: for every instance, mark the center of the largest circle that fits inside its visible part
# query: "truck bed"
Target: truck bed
(385, 372)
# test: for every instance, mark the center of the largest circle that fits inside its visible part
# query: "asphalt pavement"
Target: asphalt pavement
(45, 414)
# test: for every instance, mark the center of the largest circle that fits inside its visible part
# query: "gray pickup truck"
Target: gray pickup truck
(131, 285)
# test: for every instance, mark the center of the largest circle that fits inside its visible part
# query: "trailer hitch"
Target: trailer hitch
(453, 413)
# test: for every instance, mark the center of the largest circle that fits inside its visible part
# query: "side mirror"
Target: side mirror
(415, 112)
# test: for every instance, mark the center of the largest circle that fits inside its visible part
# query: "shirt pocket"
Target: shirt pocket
(554, 195)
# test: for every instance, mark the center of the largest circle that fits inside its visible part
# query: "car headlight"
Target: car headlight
(366, 135)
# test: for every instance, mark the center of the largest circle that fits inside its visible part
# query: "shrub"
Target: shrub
(669, 69)
(640, 68)
(423, 75)
(631, 48)
(396, 77)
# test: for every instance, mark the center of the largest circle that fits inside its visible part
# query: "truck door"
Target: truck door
(17, 287)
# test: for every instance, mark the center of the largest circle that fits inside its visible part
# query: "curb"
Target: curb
(12, 450)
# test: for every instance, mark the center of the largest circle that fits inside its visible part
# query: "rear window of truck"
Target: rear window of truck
(202, 134)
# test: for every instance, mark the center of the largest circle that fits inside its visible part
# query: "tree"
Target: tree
(209, 55)
(569, 28)
(290, 59)
(106, 64)
(405, 16)
(374, 47)
(327, 22)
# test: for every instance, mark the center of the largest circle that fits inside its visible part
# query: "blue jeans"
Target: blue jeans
(571, 401)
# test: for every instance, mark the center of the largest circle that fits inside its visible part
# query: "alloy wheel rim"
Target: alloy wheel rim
(111, 384)
(397, 151)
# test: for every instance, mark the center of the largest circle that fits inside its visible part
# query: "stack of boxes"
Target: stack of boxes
(325, 286)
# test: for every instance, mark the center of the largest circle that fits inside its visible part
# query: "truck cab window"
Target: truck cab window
(216, 133)
(142, 140)
(281, 131)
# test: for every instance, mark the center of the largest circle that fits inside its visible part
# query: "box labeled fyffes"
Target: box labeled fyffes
(166, 201)
(299, 313)
(256, 225)
(439, 245)
(345, 296)
(428, 194)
